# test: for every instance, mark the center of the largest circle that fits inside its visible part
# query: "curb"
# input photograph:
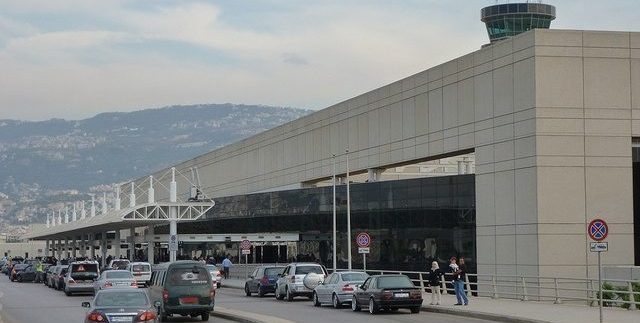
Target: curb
(233, 317)
(480, 315)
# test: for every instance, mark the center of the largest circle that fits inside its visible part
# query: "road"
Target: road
(35, 303)
(302, 310)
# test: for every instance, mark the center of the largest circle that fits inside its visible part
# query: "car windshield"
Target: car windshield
(122, 298)
(354, 277)
(120, 264)
(272, 271)
(188, 276)
(141, 268)
(394, 282)
(84, 270)
(119, 275)
(20, 266)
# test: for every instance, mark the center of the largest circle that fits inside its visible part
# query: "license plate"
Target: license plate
(188, 300)
(401, 295)
(120, 319)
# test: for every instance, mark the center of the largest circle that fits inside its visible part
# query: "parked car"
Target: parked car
(387, 292)
(182, 287)
(141, 272)
(115, 279)
(289, 283)
(48, 275)
(263, 280)
(80, 277)
(28, 274)
(121, 305)
(15, 270)
(216, 275)
(337, 289)
(61, 272)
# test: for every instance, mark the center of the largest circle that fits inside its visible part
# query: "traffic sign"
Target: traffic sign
(245, 245)
(598, 230)
(599, 246)
(363, 250)
(363, 240)
(246, 251)
(173, 242)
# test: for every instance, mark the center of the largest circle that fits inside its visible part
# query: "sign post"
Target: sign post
(363, 240)
(245, 245)
(598, 231)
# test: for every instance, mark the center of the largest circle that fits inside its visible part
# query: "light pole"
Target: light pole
(348, 214)
(335, 246)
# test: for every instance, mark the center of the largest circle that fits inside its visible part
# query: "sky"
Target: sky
(73, 59)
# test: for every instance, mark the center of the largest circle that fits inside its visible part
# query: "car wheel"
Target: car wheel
(354, 305)
(247, 291)
(336, 301)
(68, 293)
(415, 310)
(219, 285)
(289, 294)
(373, 307)
(316, 301)
(260, 292)
(19, 279)
(205, 316)
(278, 295)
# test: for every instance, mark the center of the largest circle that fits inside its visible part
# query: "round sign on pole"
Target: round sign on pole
(598, 230)
(245, 245)
(363, 240)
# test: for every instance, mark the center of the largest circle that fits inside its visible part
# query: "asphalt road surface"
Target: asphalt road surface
(36, 303)
(302, 310)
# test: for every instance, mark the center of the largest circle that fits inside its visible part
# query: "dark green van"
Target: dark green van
(182, 288)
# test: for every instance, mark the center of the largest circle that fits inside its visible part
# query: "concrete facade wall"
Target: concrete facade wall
(549, 113)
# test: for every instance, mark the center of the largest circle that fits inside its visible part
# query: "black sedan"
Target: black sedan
(28, 274)
(387, 292)
(13, 276)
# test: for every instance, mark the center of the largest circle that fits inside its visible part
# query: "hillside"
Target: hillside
(40, 161)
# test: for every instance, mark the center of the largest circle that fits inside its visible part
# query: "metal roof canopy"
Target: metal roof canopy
(138, 216)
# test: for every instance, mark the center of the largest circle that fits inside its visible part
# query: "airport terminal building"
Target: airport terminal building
(551, 118)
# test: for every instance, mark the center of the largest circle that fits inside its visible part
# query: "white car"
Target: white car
(337, 289)
(141, 272)
(114, 279)
(290, 284)
(117, 263)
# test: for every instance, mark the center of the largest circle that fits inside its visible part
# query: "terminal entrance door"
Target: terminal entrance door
(268, 253)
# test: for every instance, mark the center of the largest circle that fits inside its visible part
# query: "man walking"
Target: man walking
(458, 281)
(226, 264)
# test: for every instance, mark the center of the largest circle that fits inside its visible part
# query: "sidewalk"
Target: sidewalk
(513, 310)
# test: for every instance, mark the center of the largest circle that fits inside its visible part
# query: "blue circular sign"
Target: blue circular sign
(598, 230)
(363, 239)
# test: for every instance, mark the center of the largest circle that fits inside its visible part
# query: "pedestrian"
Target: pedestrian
(226, 264)
(458, 281)
(39, 270)
(434, 283)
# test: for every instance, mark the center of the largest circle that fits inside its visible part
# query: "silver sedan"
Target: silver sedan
(115, 279)
(337, 289)
(121, 305)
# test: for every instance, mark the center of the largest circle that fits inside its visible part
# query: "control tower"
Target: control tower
(510, 19)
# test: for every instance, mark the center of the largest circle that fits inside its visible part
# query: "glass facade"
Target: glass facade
(506, 20)
(412, 222)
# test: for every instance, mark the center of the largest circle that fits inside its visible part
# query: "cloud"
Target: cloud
(76, 58)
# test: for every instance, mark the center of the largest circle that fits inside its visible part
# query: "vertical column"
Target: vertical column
(151, 197)
(66, 248)
(116, 245)
(173, 211)
(92, 247)
(132, 244)
(93, 206)
(46, 247)
(150, 241)
(83, 246)
(103, 248)
(132, 196)
(117, 206)
(74, 244)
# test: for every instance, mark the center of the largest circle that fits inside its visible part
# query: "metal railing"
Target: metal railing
(524, 288)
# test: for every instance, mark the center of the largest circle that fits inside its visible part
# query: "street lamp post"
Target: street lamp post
(348, 214)
(335, 246)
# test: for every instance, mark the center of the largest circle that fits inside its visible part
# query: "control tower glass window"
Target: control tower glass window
(506, 20)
